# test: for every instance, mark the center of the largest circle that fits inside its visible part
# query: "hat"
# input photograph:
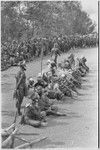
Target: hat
(63, 75)
(14, 41)
(56, 86)
(49, 61)
(45, 74)
(39, 75)
(27, 105)
(84, 59)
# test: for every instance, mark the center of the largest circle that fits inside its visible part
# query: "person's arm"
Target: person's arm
(83, 64)
(52, 52)
(58, 52)
(36, 84)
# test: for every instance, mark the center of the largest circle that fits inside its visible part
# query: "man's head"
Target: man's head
(45, 74)
(31, 81)
(17, 54)
(14, 42)
(63, 75)
(39, 90)
(84, 59)
(48, 62)
(39, 77)
(23, 65)
(56, 86)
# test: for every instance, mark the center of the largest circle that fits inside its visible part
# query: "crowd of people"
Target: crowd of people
(12, 52)
(52, 85)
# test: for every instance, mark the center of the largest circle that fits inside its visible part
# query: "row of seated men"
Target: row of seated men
(50, 87)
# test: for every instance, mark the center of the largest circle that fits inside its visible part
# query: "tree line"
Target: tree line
(23, 20)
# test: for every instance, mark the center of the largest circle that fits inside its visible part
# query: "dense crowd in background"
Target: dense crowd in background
(12, 52)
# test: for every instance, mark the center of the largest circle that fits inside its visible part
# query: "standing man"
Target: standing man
(21, 89)
(55, 51)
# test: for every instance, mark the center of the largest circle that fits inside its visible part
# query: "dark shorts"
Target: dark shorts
(20, 93)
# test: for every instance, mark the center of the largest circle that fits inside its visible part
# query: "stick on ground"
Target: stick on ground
(26, 145)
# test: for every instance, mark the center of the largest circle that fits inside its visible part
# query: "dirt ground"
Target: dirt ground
(79, 129)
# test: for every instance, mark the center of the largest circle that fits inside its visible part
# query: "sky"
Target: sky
(91, 7)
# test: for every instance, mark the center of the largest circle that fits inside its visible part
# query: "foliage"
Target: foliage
(25, 19)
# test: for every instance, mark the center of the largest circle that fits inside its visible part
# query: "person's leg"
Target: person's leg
(25, 90)
(20, 100)
(19, 107)
(34, 123)
(54, 112)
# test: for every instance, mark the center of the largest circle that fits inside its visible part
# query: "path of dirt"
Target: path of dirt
(79, 128)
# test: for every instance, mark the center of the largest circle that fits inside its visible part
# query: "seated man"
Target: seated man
(52, 66)
(40, 82)
(58, 94)
(53, 91)
(67, 64)
(45, 77)
(47, 105)
(71, 59)
(81, 68)
(30, 83)
(63, 86)
(77, 75)
(32, 113)
(84, 65)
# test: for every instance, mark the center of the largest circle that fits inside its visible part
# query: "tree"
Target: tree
(25, 19)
